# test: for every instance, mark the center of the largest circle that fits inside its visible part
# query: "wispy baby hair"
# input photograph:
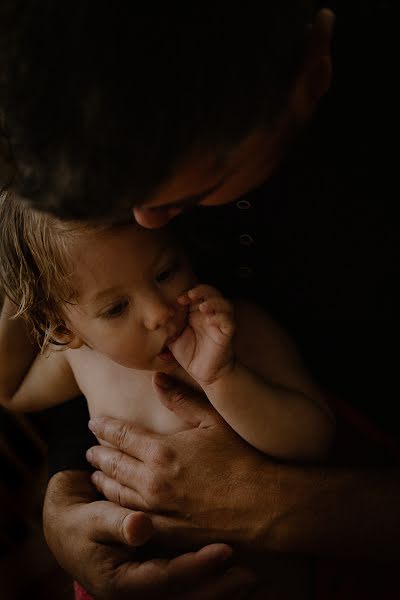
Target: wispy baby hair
(35, 265)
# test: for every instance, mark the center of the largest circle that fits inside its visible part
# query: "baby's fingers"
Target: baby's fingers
(217, 304)
(184, 299)
(203, 292)
(197, 294)
(223, 321)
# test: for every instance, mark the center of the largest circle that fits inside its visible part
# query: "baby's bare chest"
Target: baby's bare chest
(115, 391)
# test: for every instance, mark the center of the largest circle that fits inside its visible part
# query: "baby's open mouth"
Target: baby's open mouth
(166, 354)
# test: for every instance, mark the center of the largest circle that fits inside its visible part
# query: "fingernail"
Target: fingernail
(89, 455)
(92, 425)
(163, 381)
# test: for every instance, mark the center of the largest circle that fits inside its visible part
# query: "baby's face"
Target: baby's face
(128, 281)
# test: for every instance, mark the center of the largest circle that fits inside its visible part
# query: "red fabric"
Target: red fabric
(80, 593)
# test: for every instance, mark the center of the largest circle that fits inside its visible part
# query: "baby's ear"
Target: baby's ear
(62, 336)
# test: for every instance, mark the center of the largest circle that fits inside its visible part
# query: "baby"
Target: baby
(112, 304)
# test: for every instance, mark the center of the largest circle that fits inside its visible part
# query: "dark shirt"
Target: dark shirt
(317, 244)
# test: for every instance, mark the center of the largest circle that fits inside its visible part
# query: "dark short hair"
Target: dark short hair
(102, 101)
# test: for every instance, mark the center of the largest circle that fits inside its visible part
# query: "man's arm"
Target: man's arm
(219, 488)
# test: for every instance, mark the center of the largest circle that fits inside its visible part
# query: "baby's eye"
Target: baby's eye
(116, 310)
(167, 272)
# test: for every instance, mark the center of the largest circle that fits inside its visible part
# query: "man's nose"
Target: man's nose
(155, 218)
(157, 312)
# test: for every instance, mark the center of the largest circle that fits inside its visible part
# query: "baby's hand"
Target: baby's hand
(204, 349)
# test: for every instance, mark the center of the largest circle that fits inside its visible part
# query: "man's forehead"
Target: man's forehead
(195, 179)
(202, 174)
(185, 202)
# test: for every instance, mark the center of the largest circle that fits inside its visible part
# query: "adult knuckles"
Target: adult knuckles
(121, 527)
(122, 437)
(112, 490)
(161, 496)
(124, 497)
(156, 490)
(116, 465)
(161, 455)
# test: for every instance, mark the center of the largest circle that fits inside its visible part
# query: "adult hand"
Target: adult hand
(95, 542)
(205, 485)
(200, 484)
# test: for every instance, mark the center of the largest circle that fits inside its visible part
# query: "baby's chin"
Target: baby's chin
(162, 365)
(137, 365)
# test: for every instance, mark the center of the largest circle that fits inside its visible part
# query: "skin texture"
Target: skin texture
(127, 309)
(259, 154)
(286, 508)
(106, 538)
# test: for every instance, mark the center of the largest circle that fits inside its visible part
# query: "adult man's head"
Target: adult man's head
(106, 109)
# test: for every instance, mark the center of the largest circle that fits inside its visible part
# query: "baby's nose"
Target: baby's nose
(157, 314)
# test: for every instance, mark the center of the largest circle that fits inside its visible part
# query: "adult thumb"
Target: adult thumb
(110, 523)
(188, 404)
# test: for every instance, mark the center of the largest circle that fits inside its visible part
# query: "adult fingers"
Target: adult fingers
(149, 488)
(186, 403)
(126, 436)
(118, 493)
(106, 522)
(115, 463)
(191, 576)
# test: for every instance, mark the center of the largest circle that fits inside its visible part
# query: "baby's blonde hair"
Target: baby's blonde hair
(35, 265)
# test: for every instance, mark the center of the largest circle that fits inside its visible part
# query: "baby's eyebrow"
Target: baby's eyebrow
(102, 295)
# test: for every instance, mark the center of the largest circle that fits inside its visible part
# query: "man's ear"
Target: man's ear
(65, 337)
(315, 75)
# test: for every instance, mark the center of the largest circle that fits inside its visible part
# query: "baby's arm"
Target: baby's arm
(49, 381)
(258, 384)
(28, 383)
(17, 349)
(267, 396)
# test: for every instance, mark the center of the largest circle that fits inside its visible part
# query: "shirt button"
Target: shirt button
(246, 239)
(243, 204)
(245, 272)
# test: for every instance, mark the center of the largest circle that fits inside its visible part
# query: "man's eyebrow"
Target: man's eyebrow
(188, 201)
